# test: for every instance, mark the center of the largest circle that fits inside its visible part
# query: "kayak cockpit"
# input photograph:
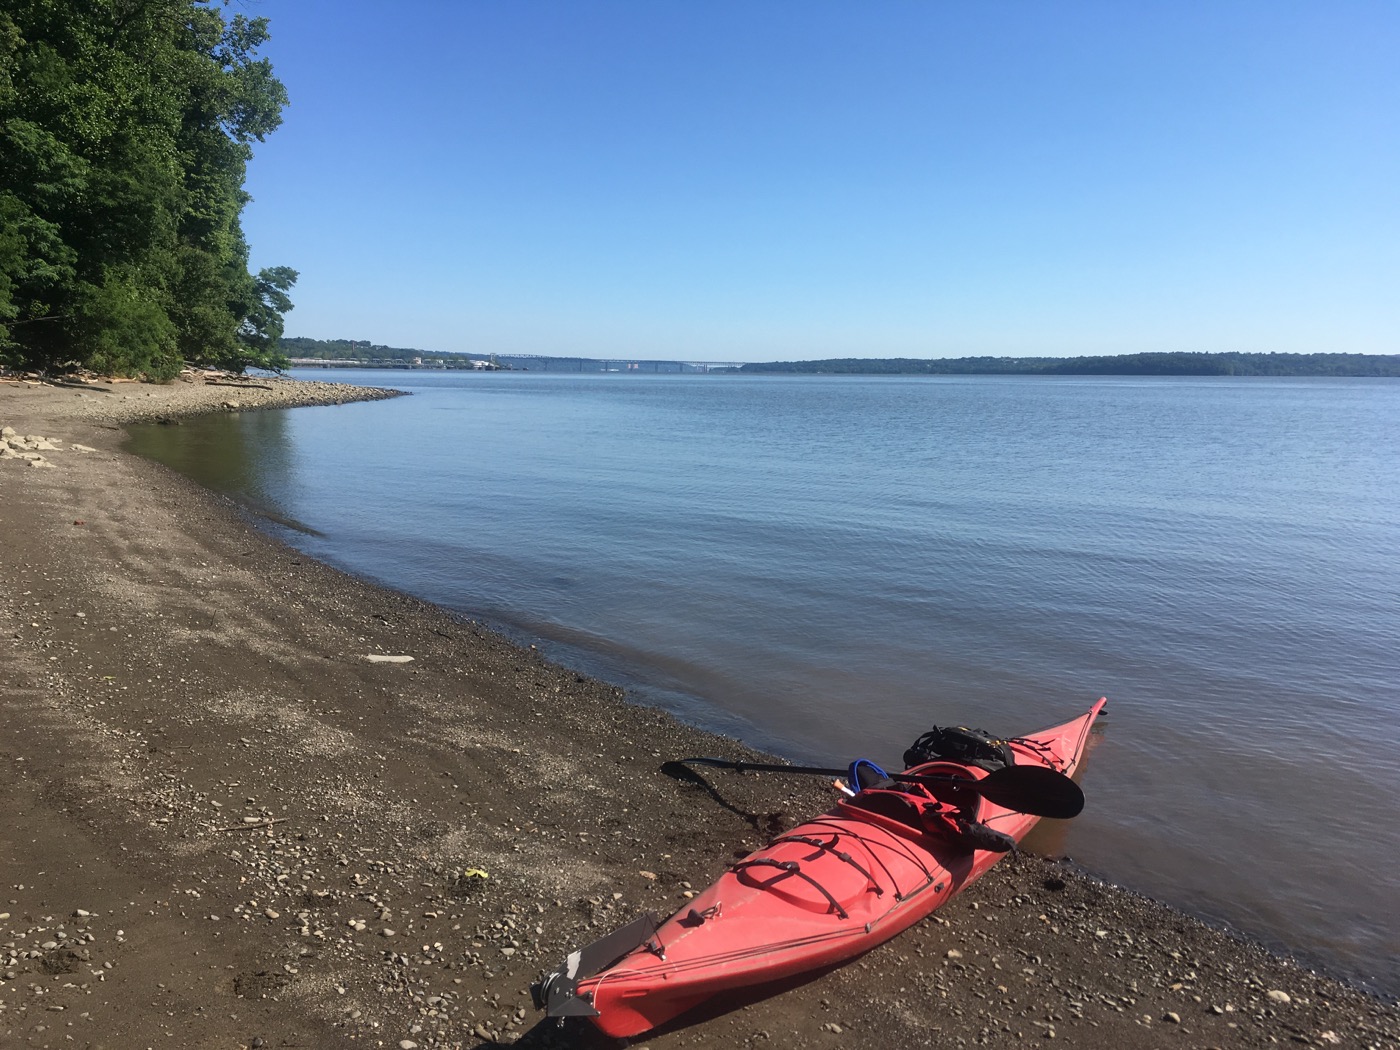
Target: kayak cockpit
(931, 808)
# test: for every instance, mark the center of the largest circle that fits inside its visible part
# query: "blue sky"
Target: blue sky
(783, 180)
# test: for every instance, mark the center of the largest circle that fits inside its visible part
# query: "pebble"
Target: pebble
(1282, 998)
(407, 1044)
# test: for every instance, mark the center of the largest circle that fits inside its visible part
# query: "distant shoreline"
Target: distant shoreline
(317, 353)
(1170, 364)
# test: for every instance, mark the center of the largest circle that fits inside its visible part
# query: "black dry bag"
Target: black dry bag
(971, 747)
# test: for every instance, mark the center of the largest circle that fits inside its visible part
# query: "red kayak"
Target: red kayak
(826, 891)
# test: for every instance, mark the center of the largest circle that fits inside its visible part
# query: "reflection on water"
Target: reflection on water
(246, 455)
(1051, 838)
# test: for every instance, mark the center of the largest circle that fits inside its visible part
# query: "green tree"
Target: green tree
(125, 131)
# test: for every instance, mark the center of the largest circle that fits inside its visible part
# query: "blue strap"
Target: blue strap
(874, 774)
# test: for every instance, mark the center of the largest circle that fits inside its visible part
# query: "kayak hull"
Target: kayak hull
(825, 892)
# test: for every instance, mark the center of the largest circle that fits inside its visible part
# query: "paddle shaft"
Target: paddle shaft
(1037, 790)
(760, 767)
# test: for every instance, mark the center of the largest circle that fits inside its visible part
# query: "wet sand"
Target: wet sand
(227, 826)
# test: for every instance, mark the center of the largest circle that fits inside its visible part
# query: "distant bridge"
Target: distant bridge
(541, 363)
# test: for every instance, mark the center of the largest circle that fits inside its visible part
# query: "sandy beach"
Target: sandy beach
(231, 822)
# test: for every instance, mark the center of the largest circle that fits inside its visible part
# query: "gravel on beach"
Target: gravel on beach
(237, 817)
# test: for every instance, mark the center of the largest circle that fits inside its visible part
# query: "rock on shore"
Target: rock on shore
(231, 823)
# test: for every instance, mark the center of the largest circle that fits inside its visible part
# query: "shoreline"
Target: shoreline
(230, 824)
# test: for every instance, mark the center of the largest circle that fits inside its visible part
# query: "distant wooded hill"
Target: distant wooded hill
(350, 353)
(1179, 364)
(352, 350)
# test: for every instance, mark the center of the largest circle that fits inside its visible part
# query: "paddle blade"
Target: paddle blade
(1037, 790)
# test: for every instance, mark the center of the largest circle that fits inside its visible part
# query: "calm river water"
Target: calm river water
(826, 566)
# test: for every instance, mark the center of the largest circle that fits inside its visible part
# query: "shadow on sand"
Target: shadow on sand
(548, 1034)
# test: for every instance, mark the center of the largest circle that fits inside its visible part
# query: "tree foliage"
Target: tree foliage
(125, 131)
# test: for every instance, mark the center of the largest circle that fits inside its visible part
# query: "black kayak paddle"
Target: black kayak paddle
(1037, 790)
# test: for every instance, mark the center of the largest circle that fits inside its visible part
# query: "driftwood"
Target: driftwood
(241, 386)
(251, 827)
